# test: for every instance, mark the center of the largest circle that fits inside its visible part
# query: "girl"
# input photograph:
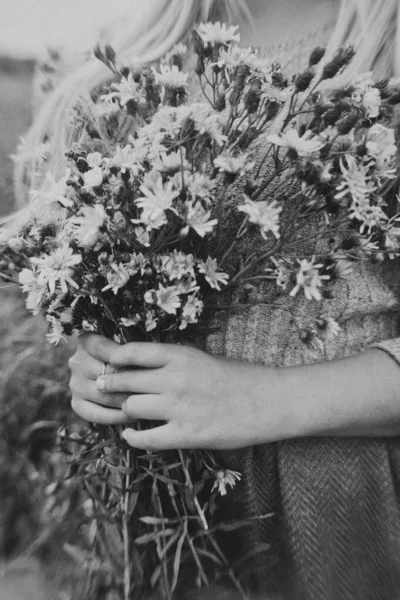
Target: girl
(316, 440)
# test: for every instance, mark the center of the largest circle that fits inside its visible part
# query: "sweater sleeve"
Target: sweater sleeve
(391, 347)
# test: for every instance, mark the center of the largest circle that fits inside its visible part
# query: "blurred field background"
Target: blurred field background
(36, 512)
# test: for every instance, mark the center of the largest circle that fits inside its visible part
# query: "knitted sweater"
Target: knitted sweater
(334, 532)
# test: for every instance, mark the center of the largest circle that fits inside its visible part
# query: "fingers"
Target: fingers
(142, 354)
(87, 366)
(95, 413)
(155, 439)
(97, 346)
(139, 381)
(82, 387)
(152, 407)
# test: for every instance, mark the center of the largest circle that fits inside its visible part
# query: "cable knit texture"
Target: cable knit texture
(334, 533)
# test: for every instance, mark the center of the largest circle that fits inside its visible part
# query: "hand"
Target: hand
(86, 365)
(205, 401)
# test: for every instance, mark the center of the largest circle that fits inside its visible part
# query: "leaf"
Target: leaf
(156, 576)
(177, 559)
(149, 537)
(155, 520)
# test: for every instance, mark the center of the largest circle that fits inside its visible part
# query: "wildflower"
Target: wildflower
(94, 159)
(354, 180)
(369, 216)
(301, 145)
(88, 225)
(197, 218)
(126, 158)
(372, 102)
(35, 291)
(57, 267)
(151, 321)
(167, 298)
(93, 177)
(343, 269)
(117, 278)
(233, 165)
(381, 143)
(131, 321)
(174, 161)
(200, 186)
(264, 214)
(214, 34)
(309, 279)
(56, 331)
(311, 339)
(191, 311)
(178, 265)
(208, 122)
(223, 478)
(328, 328)
(142, 236)
(213, 277)
(54, 191)
(281, 272)
(128, 89)
(170, 77)
(157, 200)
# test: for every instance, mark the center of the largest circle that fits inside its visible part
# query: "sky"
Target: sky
(29, 26)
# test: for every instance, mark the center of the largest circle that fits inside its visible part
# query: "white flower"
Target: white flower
(369, 216)
(56, 331)
(126, 158)
(174, 161)
(197, 218)
(301, 145)
(31, 286)
(88, 225)
(178, 265)
(170, 77)
(233, 165)
(281, 272)
(354, 180)
(372, 102)
(57, 267)
(117, 278)
(200, 186)
(131, 321)
(309, 279)
(142, 236)
(381, 143)
(151, 321)
(213, 277)
(264, 214)
(224, 478)
(218, 33)
(156, 201)
(93, 177)
(127, 90)
(328, 328)
(167, 298)
(54, 191)
(94, 159)
(191, 311)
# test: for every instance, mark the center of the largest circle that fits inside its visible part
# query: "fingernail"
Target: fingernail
(100, 382)
(123, 434)
(124, 405)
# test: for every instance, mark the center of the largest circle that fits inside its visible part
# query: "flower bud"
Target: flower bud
(341, 59)
(316, 55)
(346, 123)
(303, 80)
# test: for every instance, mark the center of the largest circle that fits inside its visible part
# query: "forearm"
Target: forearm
(355, 396)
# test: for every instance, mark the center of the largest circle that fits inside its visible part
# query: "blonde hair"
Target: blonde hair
(372, 26)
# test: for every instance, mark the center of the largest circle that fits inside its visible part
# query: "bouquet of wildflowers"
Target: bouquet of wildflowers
(137, 240)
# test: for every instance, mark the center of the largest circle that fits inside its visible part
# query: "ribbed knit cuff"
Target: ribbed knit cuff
(392, 347)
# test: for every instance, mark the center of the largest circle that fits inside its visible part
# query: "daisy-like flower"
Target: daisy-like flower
(200, 186)
(170, 77)
(174, 161)
(57, 267)
(223, 478)
(301, 145)
(151, 321)
(213, 277)
(281, 272)
(178, 265)
(93, 177)
(131, 321)
(88, 225)
(380, 142)
(142, 236)
(208, 122)
(198, 218)
(126, 158)
(54, 191)
(372, 102)
(213, 34)
(354, 180)
(264, 214)
(117, 278)
(328, 328)
(35, 291)
(94, 159)
(167, 298)
(128, 90)
(309, 279)
(157, 200)
(369, 216)
(191, 311)
(233, 165)
(56, 331)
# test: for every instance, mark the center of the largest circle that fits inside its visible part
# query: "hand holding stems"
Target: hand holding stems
(205, 401)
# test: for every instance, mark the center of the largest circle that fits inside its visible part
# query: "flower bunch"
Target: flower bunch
(137, 237)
